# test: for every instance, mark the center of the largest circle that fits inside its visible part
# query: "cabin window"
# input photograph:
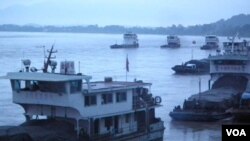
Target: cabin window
(15, 84)
(90, 100)
(107, 98)
(54, 87)
(121, 96)
(75, 86)
(24, 85)
(229, 62)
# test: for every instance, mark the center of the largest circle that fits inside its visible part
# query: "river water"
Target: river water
(149, 63)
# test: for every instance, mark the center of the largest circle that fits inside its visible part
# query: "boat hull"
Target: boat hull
(208, 47)
(116, 46)
(171, 46)
(182, 70)
(198, 116)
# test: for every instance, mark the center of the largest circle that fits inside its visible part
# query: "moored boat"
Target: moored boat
(211, 42)
(192, 67)
(130, 40)
(229, 76)
(98, 110)
(172, 42)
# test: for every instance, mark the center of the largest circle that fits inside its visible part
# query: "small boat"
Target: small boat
(130, 40)
(211, 42)
(193, 66)
(172, 42)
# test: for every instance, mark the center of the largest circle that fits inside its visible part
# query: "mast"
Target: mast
(46, 63)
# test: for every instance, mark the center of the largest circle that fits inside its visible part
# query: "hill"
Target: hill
(236, 24)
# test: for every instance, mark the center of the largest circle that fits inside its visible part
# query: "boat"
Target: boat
(193, 67)
(98, 110)
(130, 40)
(211, 42)
(229, 79)
(172, 42)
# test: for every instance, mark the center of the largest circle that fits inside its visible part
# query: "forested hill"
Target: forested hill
(224, 27)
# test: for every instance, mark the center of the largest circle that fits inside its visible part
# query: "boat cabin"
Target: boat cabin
(130, 39)
(211, 40)
(234, 59)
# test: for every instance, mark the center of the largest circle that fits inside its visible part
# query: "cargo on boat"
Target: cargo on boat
(230, 74)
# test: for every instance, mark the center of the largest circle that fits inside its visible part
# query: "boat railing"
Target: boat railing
(145, 100)
(46, 98)
(158, 125)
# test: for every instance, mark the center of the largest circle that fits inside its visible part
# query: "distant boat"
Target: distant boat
(130, 40)
(211, 42)
(193, 66)
(172, 42)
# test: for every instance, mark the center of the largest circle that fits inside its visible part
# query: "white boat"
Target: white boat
(101, 110)
(130, 40)
(211, 42)
(172, 42)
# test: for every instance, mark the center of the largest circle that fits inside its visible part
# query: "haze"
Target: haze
(119, 12)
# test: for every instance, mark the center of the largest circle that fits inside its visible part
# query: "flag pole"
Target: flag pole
(127, 67)
(126, 75)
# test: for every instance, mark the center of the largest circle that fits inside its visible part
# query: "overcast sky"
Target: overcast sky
(119, 12)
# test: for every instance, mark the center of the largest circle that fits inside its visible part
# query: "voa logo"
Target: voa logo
(236, 132)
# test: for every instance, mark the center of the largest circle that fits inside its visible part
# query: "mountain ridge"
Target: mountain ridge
(223, 27)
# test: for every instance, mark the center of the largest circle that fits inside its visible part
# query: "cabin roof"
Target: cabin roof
(211, 36)
(114, 85)
(54, 77)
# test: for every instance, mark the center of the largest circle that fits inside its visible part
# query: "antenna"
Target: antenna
(48, 61)
(232, 39)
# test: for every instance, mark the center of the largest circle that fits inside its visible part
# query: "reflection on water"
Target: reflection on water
(195, 131)
(149, 62)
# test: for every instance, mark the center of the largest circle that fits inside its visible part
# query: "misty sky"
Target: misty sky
(119, 12)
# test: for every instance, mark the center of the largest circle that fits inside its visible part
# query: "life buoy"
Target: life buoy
(157, 99)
